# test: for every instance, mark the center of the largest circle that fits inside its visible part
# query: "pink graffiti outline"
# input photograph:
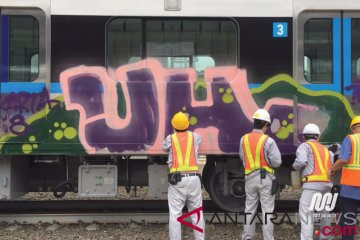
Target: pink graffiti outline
(237, 79)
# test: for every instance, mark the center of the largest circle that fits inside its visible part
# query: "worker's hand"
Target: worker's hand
(330, 174)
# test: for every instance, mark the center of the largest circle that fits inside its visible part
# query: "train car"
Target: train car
(88, 88)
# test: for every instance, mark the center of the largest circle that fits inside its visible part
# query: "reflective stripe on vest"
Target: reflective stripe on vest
(182, 143)
(253, 148)
(322, 163)
(351, 172)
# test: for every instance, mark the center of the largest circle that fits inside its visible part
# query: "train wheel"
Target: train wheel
(234, 202)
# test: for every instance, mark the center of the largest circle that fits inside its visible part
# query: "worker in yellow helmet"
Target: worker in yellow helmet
(349, 162)
(184, 177)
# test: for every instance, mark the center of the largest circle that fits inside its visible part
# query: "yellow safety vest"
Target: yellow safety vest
(351, 172)
(182, 144)
(253, 148)
(322, 163)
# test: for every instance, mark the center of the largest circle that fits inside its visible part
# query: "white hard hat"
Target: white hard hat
(262, 114)
(311, 129)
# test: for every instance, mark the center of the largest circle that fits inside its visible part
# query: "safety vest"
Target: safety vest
(253, 148)
(351, 172)
(322, 163)
(183, 153)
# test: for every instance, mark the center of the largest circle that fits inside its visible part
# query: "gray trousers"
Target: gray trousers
(258, 189)
(306, 216)
(188, 192)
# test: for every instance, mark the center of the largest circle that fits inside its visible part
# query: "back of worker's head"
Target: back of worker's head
(261, 119)
(180, 122)
(311, 131)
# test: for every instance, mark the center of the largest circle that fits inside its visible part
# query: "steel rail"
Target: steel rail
(113, 206)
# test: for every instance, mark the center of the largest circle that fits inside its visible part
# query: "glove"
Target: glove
(333, 148)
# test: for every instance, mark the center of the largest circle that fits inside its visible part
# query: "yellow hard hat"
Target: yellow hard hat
(180, 121)
(354, 121)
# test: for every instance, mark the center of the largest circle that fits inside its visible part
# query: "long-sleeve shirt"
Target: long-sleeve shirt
(271, 152)
(305, 163)
(166, 146)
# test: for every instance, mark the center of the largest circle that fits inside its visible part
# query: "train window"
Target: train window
(318, 51)
(24, 48)
(174, 43)
(177, 43)
(123, 41)
(355, 49)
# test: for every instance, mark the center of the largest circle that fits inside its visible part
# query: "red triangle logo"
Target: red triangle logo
(196, 211)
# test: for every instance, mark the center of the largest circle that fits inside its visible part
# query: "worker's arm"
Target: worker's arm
(301, 157)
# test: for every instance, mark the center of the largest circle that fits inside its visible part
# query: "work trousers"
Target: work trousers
(187, 191)
(307, 218)
(348, 209)
(258, 189)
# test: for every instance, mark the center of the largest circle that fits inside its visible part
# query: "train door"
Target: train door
(326, 68)
(23, 71)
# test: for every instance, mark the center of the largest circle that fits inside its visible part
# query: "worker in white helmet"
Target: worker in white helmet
(260, 155)
(184, 177)
(314, 161)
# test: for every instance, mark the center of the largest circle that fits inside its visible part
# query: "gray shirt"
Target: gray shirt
(305, 163)
(271, 152)
(166, 146)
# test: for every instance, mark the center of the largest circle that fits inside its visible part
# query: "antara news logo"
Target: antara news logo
(322, 205)
(327, 202)
(196, 211)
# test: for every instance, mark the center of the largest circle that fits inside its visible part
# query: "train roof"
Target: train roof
(188, 8)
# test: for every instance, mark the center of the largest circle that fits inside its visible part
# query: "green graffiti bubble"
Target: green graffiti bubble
(228, 90)
(221, 90)
(227, 98)
(58, 134)
(284, 122)
(283, 133)
(32, 138)
(26, 148)
(63, 125)
(291, 116)
(290, 128)
(193, 120)
(56, 124)
(70, 133)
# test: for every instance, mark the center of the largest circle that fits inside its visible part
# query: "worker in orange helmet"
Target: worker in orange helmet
(260, 155)
(184, 177)
(349, 162)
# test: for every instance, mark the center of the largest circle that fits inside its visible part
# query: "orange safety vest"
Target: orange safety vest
(182, 144)
(322, 163)
(351, 172)
(253, 148)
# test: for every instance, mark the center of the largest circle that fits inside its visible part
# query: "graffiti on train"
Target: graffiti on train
(16, 107)
(133, 112)
(355, 87)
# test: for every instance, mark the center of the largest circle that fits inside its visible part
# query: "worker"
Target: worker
(260, 155)
(349, 162)
(184, 177)
(314, 161)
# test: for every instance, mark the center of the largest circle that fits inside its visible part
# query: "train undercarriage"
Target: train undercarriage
(99, 176)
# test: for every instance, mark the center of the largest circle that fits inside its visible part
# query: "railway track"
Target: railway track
(113, 211)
